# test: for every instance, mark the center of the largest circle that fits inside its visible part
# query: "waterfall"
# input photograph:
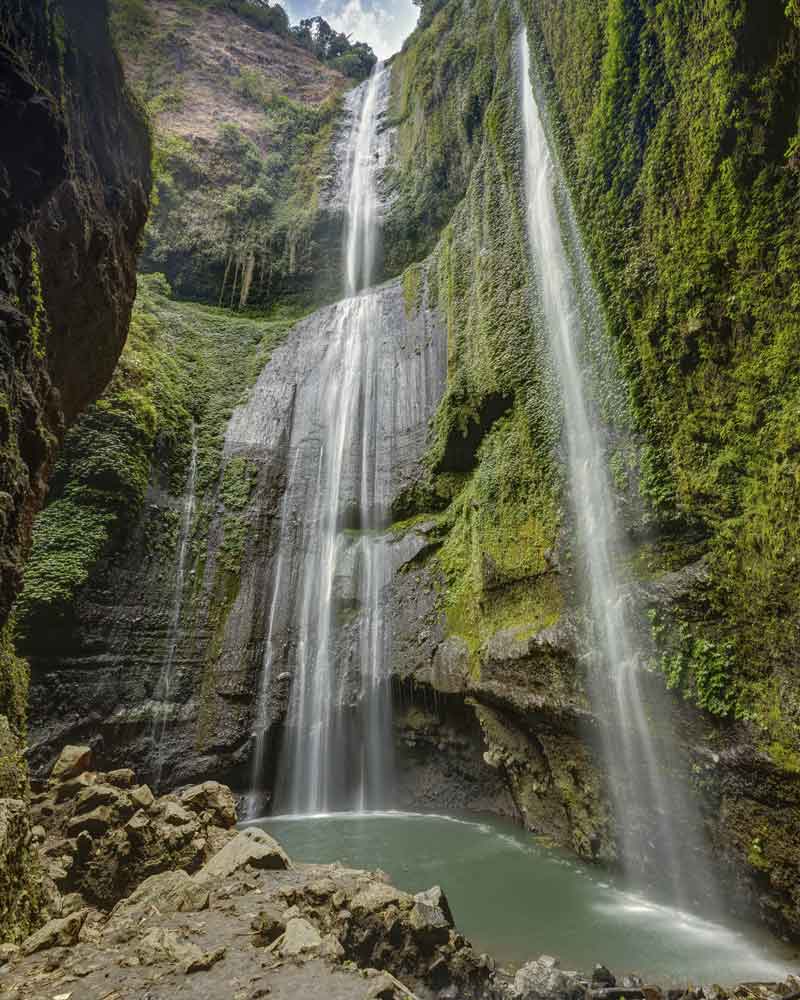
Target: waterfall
(165, 682)
(669, 838)
(331, 565)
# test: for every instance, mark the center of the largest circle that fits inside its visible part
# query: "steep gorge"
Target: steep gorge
(691, 226)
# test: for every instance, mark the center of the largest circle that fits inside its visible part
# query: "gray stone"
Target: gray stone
(72, 761)
(160, 944)
(250, 847)
(300, 936)
(176, 815)
(213, 798)
(267, 926)
(169, 892)
(542, 979)
(142, 796)
(123, 777)
(62, 932)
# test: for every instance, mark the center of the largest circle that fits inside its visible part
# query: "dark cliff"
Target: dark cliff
(74, 193)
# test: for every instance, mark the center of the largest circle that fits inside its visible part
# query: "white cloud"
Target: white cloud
(366, 20)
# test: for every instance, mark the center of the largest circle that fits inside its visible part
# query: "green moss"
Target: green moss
(14, 677)
(182, 365)
(678, 126)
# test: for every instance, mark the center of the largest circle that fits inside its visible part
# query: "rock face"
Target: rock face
(101, 840)
(74, 190)
(76, 177)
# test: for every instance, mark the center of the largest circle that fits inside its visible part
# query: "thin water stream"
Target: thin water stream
(517, 899)
(163, 691)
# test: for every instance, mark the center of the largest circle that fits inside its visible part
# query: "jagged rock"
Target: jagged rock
(176, 815)
(61, 932)
(602, 977)
(267, 926)
(71, 762)
(100, 795)
(433, 905)
(142, 796)
(375, 897)
(542, 979)
(123, 777)
(213, 798)
(163, 945)
(98, 821)
(300, 936)
(70, 789)
(250, 847)
(169, 892)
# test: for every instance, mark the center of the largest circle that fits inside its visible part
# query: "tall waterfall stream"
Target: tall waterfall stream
(669, 837)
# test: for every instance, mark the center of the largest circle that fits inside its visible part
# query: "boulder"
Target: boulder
(267, 927)
(433, 906)
(70, 789)
(71, 762)
(95, 823)
(124, 777)
(62, 932)
(602, 977)
(542, 979)
(169, 892)
(176, 815)
(375, 897)
(142, 796)
(431, 918)
(162, 945)
(213, 798)
(300, 936)
(251, 847)
(99, 795)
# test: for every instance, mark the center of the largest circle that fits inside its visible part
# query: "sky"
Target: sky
(383, 24)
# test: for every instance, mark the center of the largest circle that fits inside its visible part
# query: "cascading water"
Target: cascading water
(165, 682)
(331, 568)
(638, 773)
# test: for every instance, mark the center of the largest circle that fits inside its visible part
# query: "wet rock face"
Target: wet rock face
(97, 687)
(74, 186)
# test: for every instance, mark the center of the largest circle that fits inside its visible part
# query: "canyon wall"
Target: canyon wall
(74, 193)
(677, 132)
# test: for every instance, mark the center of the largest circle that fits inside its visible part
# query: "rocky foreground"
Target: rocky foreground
(163, 897)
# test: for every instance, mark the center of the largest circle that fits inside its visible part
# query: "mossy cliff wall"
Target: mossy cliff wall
(678, 130)
(74, 187)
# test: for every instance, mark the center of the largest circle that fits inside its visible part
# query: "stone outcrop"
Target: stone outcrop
(73, 202)
(74, 193)
(103, 834)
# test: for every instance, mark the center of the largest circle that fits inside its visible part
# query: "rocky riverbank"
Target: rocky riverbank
(155, 897)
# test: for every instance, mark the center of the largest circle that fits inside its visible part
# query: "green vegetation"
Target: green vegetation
(182, 364)
(236, 217)
(679, 127)
(491, 474)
